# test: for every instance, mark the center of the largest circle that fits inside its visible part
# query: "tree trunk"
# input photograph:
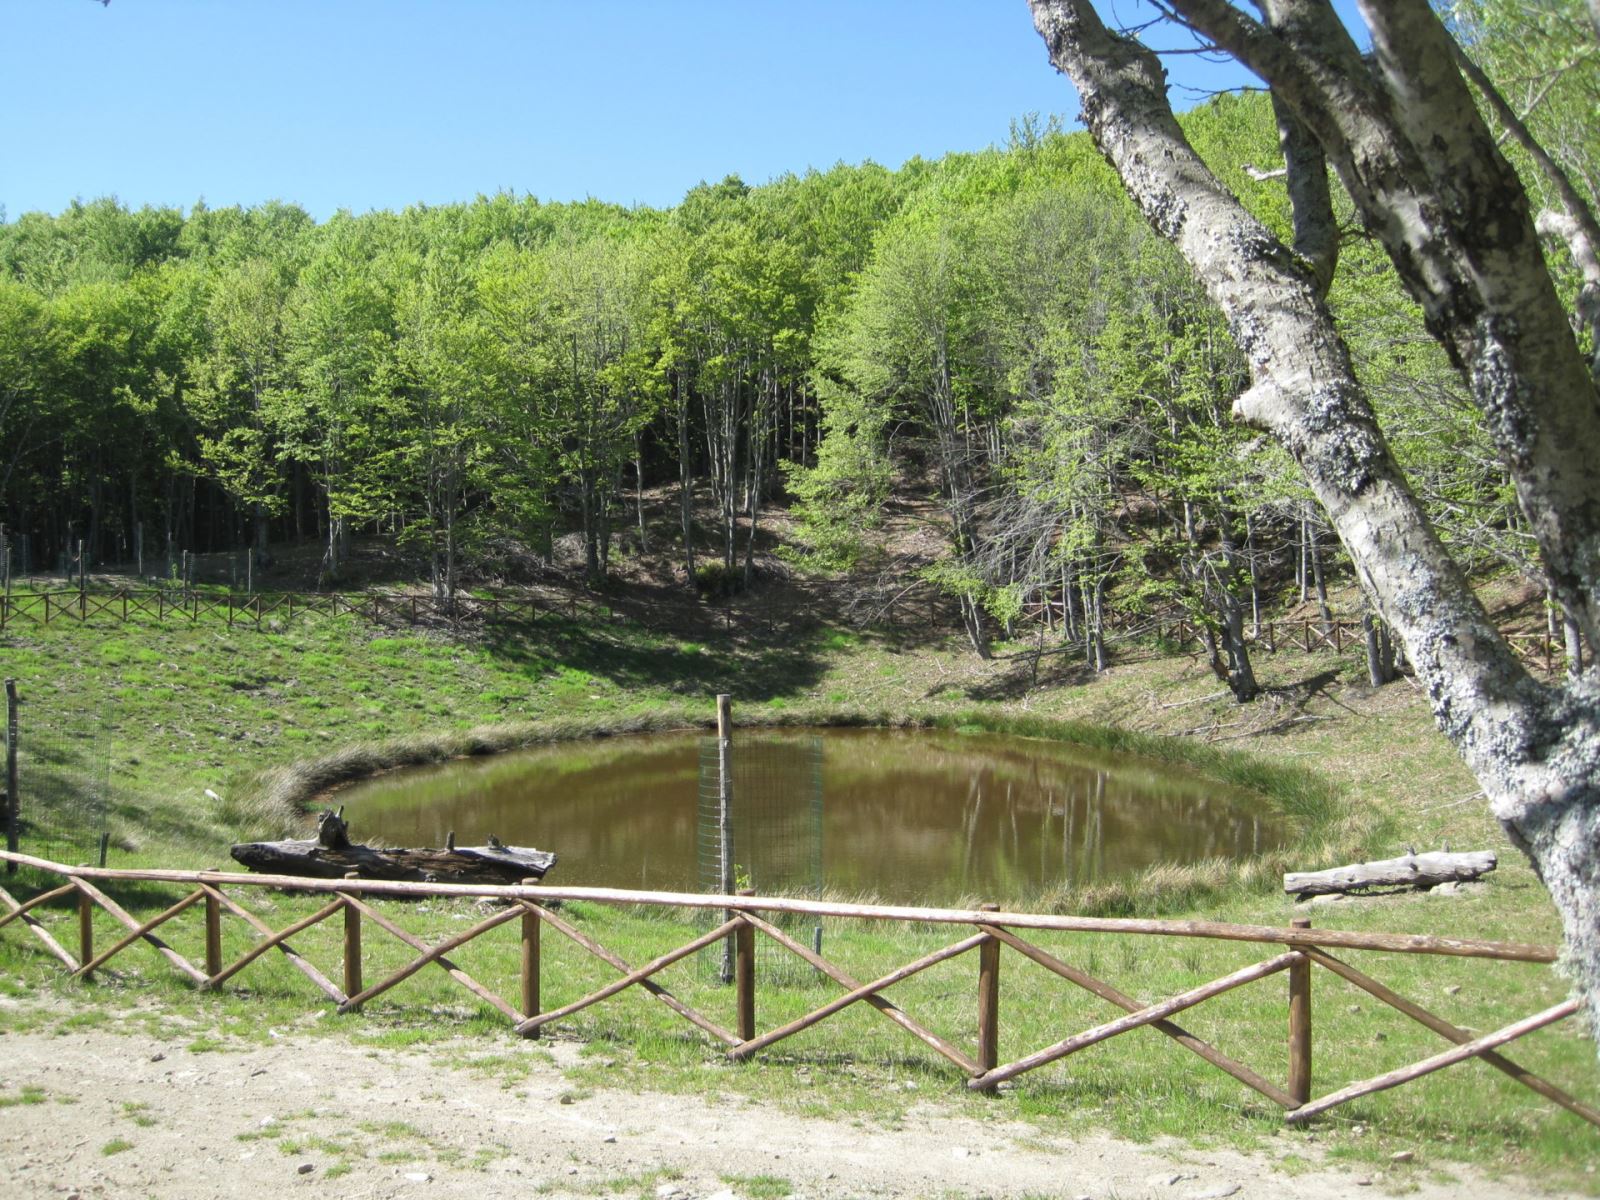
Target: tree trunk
(1407, 141)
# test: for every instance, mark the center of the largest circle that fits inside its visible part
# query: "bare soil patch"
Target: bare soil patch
(133, 1115)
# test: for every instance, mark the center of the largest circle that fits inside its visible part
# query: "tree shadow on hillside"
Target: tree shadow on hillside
(1032, 671)
(1285, 705)
(751, 665)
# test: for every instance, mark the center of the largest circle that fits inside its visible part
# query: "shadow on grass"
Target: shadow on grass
(758, 666)
(1030, 671)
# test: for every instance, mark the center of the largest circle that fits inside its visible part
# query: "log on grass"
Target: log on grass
(1420, 871)
(332, 855)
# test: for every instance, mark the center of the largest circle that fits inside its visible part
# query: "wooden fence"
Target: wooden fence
(1297, 949)
(124, 604)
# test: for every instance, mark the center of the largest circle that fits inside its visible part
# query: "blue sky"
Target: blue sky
(366, 104)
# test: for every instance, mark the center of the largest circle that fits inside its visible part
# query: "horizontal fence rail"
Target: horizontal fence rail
(533, 908)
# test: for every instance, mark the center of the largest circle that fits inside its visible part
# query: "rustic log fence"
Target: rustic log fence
(1299, 949)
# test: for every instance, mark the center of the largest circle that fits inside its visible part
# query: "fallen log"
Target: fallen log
(1419, 871)
(332, 855)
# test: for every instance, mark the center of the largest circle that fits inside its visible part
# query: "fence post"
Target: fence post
(83, 584)
(989, 1001)
(213, 935)
(352, 945)
(725, 818)
(13, 800)
(530, 961)
(85, 930)
(1300, 1023)
(745, 975)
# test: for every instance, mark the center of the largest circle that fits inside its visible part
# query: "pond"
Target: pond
(903, 816)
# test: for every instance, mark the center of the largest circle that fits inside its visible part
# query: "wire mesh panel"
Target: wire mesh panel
(775, 826)
(63, 783)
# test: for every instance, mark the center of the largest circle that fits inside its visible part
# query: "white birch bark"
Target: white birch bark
(1408, 145)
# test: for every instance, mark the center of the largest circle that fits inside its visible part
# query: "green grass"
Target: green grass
(265, 719)
(759, 1187)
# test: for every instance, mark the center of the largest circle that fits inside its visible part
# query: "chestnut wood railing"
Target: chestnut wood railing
(533, 908)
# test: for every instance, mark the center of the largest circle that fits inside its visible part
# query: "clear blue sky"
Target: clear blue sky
(366, 104)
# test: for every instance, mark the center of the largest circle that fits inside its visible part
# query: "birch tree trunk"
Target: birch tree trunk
(1408, 144)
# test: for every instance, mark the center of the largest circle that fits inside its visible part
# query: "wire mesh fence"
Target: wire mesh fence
(775, 831)
(59, 762)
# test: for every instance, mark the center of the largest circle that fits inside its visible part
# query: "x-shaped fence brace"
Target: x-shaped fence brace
(992, 931)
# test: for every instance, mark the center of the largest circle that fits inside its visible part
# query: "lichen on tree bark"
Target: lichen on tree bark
(1456, 223)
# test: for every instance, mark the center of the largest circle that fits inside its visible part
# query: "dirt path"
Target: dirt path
(112, 1115)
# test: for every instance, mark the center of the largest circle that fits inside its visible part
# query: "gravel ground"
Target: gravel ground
(127, 1115)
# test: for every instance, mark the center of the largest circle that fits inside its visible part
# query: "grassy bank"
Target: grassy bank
(214, 735)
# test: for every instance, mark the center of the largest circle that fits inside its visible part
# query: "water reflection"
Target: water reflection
(907, 816)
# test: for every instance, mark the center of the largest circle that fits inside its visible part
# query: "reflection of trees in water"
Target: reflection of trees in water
(907, 816)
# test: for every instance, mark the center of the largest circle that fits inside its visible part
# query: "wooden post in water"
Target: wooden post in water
(530, 962)
(989, 1001)
(13, 799)
(725, 818)
(352, 945)
(745, 975)
(1300, 1023)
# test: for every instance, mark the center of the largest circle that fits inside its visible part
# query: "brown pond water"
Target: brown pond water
(907, 816)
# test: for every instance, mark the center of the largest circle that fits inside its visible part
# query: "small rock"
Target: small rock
(1220, 1192)
(565, 1100)
(158, 1057)
(419, 1177)
(1363, 1182)
(724, 1194)
(1401, 1156)
(305, 1168)
(611, 1141)
(668, 1191)
(1453, 990)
